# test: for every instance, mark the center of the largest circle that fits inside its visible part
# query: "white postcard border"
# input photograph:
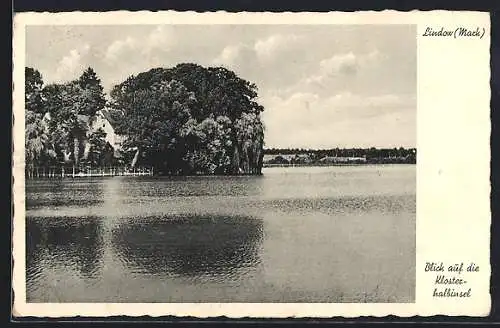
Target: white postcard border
(453, 164)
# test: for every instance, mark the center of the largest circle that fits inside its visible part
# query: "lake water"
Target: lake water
(297, 234)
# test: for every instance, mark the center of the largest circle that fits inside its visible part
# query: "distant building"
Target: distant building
(342, 160)
(302, 159)
(270, 158)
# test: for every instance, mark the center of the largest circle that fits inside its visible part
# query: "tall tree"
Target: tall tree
(33, 90)
(153, 120)
(72, 107)
(67, 124)
(92, 97)
(223, 101)
(250, 136)
(38, 148)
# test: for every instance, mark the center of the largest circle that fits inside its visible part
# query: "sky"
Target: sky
(322, 86)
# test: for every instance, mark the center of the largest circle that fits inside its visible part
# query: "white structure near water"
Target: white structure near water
(101, 120)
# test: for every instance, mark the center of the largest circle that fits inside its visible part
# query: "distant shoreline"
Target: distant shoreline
(336, 164)
(49, 176)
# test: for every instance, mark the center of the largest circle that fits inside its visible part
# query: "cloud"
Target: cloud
(345, 63)
(322, 107)
(329, 79)
(306, 118)
(348, 63)
(264, 60)
(160, 38)
(392, 130)
(342, 106)
(117, 48)
(240, 58)
(264, 49)
(72, 64)
(136, 53)
(340, 72)
(268, 48)
(229, 55)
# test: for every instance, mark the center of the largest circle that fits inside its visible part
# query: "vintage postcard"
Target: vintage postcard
(251, 164)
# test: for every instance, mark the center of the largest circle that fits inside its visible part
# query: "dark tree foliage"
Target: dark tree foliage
(191, 120)
(59, 116)
(37, 141)
(152, 122)
(33, 90)
(100, 151)
(92, 94)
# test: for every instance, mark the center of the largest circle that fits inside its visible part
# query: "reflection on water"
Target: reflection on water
(189, 246)
(195, 248)
(339, 234)
(62, 243)
(67, 241)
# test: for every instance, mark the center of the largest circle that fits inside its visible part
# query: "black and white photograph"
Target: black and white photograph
(171, 163)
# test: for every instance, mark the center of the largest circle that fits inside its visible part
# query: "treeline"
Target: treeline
(345, 152)
(341, 155)
(182, 120)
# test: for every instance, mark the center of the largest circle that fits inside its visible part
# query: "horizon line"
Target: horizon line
(337, 147)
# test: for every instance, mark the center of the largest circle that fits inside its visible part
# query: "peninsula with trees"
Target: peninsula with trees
(184, 120)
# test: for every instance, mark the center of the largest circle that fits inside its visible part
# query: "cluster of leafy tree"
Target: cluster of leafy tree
(60, 138)
(372, 155)
(191, 119)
